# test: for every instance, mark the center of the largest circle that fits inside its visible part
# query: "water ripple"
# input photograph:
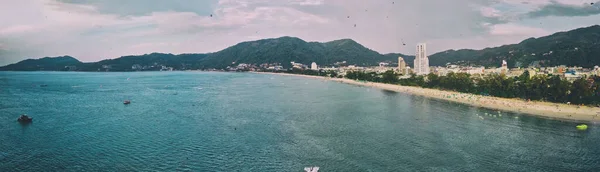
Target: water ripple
(250, 122)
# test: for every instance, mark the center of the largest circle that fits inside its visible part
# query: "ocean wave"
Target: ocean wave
(107, 89)
(3, 155)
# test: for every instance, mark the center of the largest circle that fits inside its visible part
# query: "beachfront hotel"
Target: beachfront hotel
(421, 61)
(401, 65)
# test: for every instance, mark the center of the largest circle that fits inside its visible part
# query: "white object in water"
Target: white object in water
(311, 169)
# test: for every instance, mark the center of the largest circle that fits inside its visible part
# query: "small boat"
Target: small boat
(126, 102)
(24, 119)
(582, 127)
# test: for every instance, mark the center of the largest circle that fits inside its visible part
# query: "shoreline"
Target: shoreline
(536, 108)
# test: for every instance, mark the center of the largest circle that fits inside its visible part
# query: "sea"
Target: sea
(216, 121)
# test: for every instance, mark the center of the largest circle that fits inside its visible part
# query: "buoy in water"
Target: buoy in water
(582, 127)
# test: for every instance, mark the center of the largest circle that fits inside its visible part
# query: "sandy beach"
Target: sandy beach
(543, 109)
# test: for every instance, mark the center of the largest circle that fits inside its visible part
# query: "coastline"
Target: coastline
(542, 109)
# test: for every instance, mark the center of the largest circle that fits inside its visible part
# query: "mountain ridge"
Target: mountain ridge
(45, 63)
(577, 47)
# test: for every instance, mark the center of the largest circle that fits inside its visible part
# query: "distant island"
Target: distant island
(578, 47)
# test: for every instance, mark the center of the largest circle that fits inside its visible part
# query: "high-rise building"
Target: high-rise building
(314, 66)
(504, 68)
(401, 65)
(421, 61)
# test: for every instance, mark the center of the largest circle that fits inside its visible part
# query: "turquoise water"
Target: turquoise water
(202, 121)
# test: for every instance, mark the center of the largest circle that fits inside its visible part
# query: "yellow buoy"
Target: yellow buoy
(582, 127)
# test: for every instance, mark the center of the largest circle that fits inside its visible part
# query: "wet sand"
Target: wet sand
(543, 109)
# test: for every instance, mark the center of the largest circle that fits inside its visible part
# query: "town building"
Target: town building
(136, 67)
(383, 64)
(401, 66)
(421, 63)
(298, 65)
(504, 68)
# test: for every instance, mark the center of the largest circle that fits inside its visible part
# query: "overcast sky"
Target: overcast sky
(91, 30)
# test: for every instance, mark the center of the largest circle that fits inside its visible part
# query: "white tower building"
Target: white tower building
(421, 64)
(314, 66)
(401, 65)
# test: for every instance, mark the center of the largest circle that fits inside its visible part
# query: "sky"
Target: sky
(92, 30)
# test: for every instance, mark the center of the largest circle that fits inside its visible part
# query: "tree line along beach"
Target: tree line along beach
(543, 109)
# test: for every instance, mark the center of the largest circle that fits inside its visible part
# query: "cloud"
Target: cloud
(93, 30)
(490, 12)
(18, 29)
(307, 2)
(145, 7)
(538, 3)
(560, 9)
(517, 30)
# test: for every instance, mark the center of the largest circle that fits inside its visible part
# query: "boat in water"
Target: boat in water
(24, 119)
(582, 127)
(126, 102)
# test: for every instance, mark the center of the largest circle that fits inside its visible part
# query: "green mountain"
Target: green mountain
(579, 47)
(153, 61)
(281, 50)
(286, 49)
(46, 63)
